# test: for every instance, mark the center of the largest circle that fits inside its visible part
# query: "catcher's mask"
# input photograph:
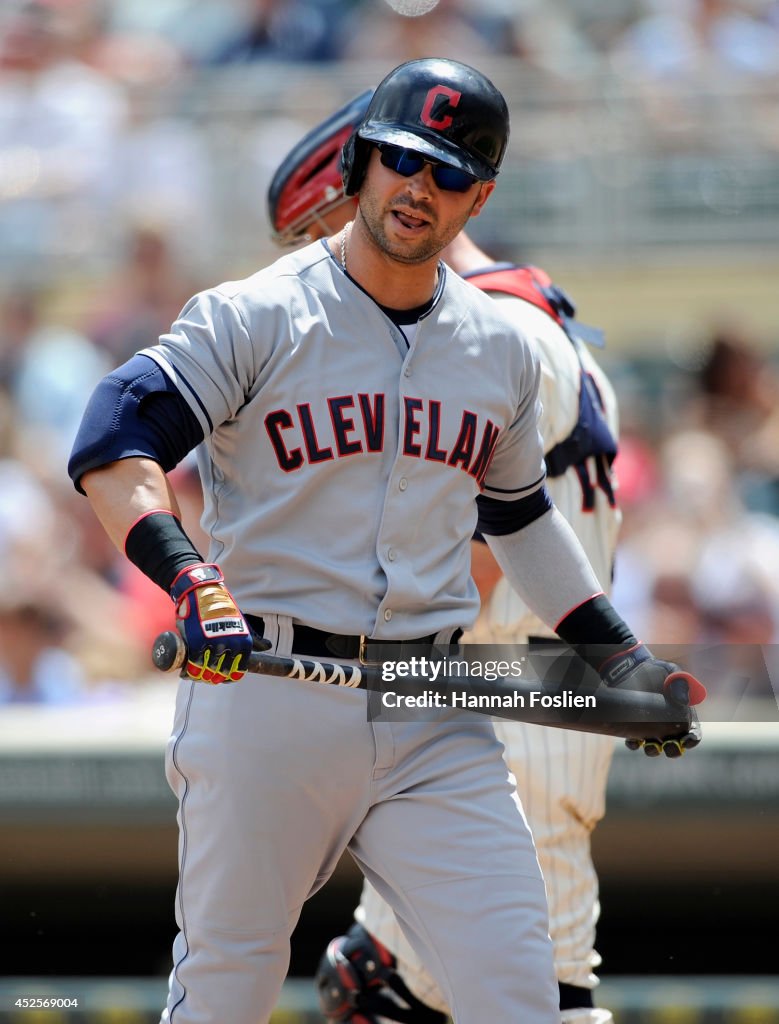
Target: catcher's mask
(440, 108)
(307, 184)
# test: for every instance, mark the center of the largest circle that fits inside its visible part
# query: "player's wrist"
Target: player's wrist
(159, 546)
(595, 622)
(621, 662)
(191, 577)
(601, 637)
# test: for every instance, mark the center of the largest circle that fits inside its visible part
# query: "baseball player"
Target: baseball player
(346, 460)
(561, 775)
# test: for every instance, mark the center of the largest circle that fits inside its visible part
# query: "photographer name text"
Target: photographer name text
(465, 699)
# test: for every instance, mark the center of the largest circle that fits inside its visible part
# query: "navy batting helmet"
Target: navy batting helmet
(438, 107)
(308, 184)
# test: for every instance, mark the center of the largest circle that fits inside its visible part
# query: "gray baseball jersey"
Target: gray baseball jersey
(341, 462)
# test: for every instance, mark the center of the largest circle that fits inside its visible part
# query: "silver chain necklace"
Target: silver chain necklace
(345, 234)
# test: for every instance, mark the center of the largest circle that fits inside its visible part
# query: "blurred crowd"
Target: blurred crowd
(123, 39)
(697, 570)
(108, 223)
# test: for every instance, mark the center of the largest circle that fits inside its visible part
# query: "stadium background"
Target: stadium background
(136, 143)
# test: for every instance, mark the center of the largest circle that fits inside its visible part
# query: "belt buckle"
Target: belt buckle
(382, 645)
(385, 650)
(363, 652)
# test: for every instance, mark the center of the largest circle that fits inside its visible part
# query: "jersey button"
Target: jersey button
(391, 554)
(407, 371)
(402, 483)
(387, 614)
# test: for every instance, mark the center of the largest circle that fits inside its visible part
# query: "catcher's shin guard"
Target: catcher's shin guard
(357, 983)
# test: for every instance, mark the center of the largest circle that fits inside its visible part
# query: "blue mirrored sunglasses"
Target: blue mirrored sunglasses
(407, 162)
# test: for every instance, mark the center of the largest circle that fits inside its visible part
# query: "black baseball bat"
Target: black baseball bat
(624, 713)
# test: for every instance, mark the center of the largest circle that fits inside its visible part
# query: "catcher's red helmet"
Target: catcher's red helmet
(438, 107)
(307, 184)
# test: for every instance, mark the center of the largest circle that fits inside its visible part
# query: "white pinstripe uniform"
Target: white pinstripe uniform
(561, 775)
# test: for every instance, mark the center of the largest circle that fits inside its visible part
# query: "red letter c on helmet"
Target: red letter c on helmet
(426, 117)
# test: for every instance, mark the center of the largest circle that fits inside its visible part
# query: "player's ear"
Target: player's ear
(485, 190)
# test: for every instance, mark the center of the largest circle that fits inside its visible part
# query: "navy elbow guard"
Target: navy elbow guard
(135, 411)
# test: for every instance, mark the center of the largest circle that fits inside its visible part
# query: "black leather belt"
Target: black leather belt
(318, 643)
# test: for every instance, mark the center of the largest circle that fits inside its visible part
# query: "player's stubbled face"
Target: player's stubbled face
(411, 219)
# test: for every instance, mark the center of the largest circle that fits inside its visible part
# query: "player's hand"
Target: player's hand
(671, 746)
(216, 635)
(638, 669)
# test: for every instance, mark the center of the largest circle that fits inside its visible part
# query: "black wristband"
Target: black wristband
(595, 631)
(160, 548)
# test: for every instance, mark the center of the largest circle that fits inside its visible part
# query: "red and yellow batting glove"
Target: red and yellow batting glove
(216, 635)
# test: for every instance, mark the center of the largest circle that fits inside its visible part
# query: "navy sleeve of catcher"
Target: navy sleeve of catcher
(134, 411)
(498, 518)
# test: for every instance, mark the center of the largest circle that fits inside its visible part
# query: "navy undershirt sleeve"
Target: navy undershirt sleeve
(135, 411)
(497, 518)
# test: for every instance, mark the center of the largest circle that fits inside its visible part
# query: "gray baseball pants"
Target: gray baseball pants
(276, 778)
